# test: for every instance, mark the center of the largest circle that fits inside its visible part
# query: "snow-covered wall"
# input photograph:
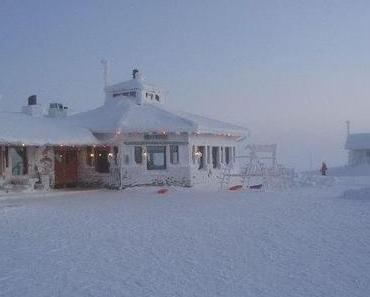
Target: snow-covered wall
(359, 157)
(174, 174)
(87, 175)
(209, 174)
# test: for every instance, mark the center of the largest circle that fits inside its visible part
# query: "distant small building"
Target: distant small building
(358, 146)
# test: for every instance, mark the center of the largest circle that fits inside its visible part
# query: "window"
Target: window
(18, 157)
(89, 156)
(157, 97)
(227, 155)
(115, 155)
(201, 157)
(174, 154)
(215, 152)
(138, 154)
(101, 159)
(2, 159)
(126, 94)
(156, 158)
(149, 95)
(6, 157)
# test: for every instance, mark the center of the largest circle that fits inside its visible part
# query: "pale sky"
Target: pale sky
(291, 71)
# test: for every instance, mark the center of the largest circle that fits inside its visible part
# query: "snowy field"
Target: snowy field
(306, 242)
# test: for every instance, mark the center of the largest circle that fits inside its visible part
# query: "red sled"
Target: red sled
(236, 188)
(162, 191)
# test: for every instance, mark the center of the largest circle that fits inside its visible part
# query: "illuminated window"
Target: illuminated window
(101, 159)
(89, 156)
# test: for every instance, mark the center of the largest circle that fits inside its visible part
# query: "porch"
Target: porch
(29, 168)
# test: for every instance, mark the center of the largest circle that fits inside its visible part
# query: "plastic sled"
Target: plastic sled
(236, 188)
(162, 191)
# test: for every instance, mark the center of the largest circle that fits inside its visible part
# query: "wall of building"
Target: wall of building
(87, 175)
(40, 166)
(186, 172)
(209, 174)
(139, 174)
(357, 157)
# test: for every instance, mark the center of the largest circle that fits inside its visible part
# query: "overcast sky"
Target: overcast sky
(291, 71)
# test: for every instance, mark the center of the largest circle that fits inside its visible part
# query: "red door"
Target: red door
(65, 167)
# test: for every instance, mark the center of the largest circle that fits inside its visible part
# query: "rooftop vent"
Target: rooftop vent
(135, 73)
(57, 110)
(32, 100)
(32, 108)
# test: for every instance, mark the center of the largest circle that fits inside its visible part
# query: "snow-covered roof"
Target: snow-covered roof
(18, 128)
(358, 141)
(128, 117)
(132, 84)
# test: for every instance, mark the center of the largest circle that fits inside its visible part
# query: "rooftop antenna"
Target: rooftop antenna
(104, 62)
(348, 125)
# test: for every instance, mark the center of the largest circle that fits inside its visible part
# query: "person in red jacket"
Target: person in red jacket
(324, 168)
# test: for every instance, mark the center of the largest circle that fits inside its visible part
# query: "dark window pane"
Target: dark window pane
(101, 159)
(18, 156)
(138, 154)
(174, 154)
(156, 157)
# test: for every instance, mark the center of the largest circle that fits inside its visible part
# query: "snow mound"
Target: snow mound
(357, 194)
(311, 180)
(360, 170)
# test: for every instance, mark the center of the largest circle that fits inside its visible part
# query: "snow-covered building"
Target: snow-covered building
(132, 139)
(358, 146)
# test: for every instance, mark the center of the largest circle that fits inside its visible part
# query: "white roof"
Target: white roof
(128, 117)
(132, 84)
(358, 141)
(18, 128)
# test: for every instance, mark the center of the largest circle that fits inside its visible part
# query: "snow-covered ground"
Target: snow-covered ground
(189, 242)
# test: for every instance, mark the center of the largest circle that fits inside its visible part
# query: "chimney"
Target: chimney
(348, 125)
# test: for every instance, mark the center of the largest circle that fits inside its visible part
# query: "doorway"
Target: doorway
(65, 167)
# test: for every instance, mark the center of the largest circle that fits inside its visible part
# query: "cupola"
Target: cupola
(134, 89)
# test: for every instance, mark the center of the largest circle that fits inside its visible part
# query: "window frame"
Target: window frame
(101, 165)
(215, 157)
(155, 149)
(24, 159)
(138, 154)
(227, 155)
(90, 156)
(174, 151)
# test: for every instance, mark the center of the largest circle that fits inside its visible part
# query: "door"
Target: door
(65, 167)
